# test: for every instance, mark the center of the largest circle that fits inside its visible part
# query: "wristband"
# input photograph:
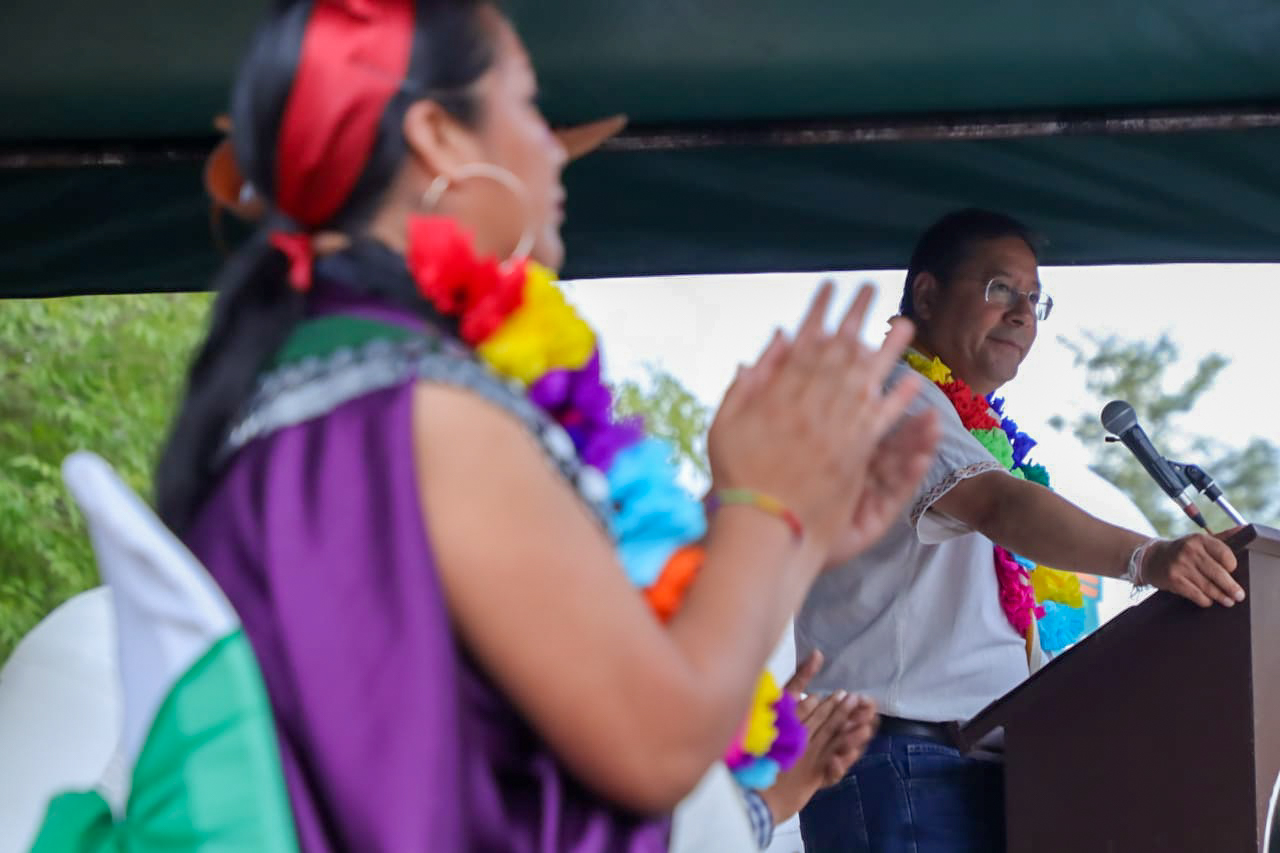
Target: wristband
(1133, 572)
(762, 502)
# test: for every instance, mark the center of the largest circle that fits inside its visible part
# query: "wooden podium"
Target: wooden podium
(1158, 732)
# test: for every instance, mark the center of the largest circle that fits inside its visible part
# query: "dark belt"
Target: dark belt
(936, 732)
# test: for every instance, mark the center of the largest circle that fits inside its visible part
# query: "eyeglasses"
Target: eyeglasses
(1001, 291)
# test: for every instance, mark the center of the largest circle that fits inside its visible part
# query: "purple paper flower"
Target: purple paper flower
(571, 395)
(602, 442)
(583, 405)
(790, 742)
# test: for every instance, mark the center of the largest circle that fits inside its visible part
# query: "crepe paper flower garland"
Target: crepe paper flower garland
(521, 327)
(1028, 591)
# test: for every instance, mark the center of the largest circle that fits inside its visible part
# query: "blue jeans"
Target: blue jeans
(909, 795)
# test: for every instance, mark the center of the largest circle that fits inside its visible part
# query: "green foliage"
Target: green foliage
(1136, 371)
(94, 373)
(672, 413)
(102, 374)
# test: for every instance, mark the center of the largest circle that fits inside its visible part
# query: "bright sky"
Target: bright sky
(700, 328)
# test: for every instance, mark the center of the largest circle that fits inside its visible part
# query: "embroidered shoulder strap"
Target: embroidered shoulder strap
(335, 359)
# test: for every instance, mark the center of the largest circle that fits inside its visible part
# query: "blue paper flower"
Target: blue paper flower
(653, 515)
(1022, 443)
(758, 775)
(1060, 626)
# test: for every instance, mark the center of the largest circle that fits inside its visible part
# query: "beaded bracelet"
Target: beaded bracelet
(759, 500)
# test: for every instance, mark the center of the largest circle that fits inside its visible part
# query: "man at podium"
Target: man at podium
(956, 605)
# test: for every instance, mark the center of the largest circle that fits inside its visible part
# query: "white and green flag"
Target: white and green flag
(198, 738)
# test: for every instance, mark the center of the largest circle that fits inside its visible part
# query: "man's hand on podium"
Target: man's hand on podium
(1197, 567)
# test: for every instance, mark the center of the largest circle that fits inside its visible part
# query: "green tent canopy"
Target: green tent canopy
(765, 134)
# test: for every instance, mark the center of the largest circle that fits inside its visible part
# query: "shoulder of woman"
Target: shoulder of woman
(466, 419)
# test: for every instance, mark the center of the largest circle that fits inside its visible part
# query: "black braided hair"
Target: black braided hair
(255, 310)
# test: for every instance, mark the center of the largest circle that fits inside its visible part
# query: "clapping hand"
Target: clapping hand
(812, 424)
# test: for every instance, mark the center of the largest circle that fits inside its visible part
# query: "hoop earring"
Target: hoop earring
(497, 174)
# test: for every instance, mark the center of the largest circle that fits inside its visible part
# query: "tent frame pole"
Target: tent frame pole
(935, 128)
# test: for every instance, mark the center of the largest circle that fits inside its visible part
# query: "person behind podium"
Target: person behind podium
(953, 607)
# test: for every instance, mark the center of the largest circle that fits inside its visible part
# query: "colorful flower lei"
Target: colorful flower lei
(1030, 595)
(523, 329)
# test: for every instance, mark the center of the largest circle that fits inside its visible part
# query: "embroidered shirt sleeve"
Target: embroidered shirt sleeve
(959, 456)
(761, 818)
(924, 502)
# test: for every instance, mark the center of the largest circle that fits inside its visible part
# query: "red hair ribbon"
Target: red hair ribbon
(355, 55)
(297, 248)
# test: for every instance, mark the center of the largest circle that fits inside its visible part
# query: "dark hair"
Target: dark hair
(255, 309)
(949, 242)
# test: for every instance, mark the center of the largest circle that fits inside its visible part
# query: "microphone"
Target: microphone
(1119, 419)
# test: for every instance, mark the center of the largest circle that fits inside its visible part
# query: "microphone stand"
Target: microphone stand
(1183, 499)
(1201, 480)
